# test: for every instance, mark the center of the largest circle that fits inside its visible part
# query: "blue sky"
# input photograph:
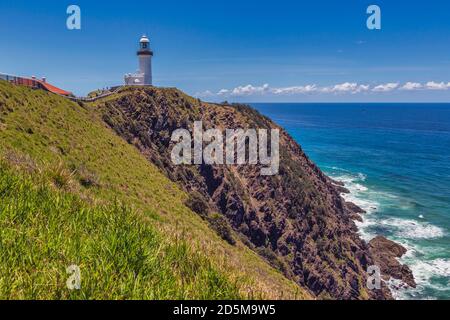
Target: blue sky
(238, 50)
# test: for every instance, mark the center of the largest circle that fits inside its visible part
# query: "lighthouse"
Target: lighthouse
(144, 75)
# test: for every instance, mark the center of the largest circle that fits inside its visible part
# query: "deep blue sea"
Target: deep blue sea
(395, 159)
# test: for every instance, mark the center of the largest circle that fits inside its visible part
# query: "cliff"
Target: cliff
(73, 192)
(93, 184)
(295, 220)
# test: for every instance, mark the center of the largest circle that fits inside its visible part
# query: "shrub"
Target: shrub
(274, 260)
(61, 177)
(87, 178)
(198, 203)
(220, 224)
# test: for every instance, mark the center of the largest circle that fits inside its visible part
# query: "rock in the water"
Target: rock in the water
(342, 189)
(354, 208)
(386, 253)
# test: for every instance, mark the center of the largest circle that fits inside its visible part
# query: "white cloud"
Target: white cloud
(386, 87)
(223, 92)
(249, 90)
(436, 85)
(204, 94)
(364, 87)
(295, 90)
(345, 88)
(342, 88)
(410, 86)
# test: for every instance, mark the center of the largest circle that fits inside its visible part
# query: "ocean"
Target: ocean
(395, 160)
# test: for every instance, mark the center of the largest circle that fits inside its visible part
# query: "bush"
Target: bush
(61, 177)
(198, 203)
(220, 224)
(274, 260)
(87, 178)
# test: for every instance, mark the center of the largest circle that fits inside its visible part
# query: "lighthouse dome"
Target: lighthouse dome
(144, 39)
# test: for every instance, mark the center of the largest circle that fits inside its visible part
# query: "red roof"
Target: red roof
(54, 89)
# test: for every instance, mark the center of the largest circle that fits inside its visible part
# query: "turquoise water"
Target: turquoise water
(395, 160)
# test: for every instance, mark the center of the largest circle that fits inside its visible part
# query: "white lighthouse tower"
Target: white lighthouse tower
(144, 75)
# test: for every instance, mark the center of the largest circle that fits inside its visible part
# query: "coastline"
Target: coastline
(351, 190)
(394, 162)
(395, 275)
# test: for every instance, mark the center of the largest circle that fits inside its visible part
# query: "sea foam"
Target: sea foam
(411, 229)
(424, 271)
(405, 232)
(362, 197)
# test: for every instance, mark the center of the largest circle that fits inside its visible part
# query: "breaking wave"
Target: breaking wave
(405, 231)
(411, 229)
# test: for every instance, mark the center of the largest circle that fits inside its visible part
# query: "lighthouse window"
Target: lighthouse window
(144, 45)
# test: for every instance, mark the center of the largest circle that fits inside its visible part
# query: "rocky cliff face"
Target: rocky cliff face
(297, 219)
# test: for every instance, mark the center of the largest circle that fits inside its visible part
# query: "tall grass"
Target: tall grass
(63, 148)
(44, 230)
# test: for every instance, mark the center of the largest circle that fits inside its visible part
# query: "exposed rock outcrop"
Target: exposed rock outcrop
(386, 254)
(297, 219)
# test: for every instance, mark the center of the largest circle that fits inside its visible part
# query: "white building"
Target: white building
(144, 76)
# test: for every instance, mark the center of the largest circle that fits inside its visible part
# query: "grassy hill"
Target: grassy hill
(73, 192)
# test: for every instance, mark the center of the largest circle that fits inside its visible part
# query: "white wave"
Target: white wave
(358, 192)
(362, 176)
(370, 206)
(411, 229)
(423, 272)
(336, 169)
(404, 231)
(399, 289)
(364, 227)
(363, 198)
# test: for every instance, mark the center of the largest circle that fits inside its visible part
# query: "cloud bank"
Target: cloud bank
(342, 88)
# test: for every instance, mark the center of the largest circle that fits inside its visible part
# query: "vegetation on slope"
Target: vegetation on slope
(296, 219)
(79, 194)
(43, 231)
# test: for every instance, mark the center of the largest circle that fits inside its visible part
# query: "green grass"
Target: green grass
(43, 231)
(64, 175)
